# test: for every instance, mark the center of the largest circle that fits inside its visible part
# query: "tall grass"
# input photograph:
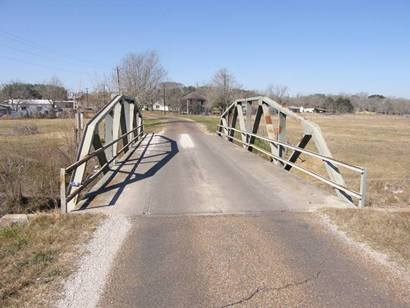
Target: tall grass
(29, 166)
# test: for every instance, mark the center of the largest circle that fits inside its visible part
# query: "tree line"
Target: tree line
(346, 103)
(141, 75)
(53, 90)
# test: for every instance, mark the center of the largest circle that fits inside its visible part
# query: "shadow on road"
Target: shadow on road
(116, 180)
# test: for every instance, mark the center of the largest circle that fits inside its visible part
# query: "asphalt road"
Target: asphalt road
(216, 226)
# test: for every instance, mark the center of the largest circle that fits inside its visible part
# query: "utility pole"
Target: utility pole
(79, 123)
(225, 100)
(163, 86)
(86, 96)
(118, 81)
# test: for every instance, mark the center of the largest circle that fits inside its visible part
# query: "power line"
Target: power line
(39, 65)
(45, 49)
(29, 52)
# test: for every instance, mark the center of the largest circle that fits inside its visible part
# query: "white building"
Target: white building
(31, 107)
(307, 109)
(159, 106)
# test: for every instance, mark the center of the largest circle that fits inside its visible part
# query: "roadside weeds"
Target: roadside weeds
(85, 286)
(36, 256)
(387, 233)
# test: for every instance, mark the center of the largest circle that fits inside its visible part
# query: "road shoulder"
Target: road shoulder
(84, 287)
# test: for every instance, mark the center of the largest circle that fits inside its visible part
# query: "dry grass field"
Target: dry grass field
(379, 143)
(31, 153)
(383, 230)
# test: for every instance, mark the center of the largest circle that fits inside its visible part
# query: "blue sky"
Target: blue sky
(310, 46)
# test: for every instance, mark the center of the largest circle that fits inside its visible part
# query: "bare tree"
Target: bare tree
(278, 93)
(224, 84)
(101, 92)
(3, 97)
(140, 75)
(54, 89)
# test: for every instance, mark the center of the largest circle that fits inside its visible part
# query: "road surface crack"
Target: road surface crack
(280, 288)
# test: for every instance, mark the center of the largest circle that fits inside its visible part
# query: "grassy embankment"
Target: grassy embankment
(36, 256)
(33, 257)
(31, 153)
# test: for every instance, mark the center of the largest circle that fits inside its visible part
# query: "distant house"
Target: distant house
(307, 109)
(295, 109)
(193, 103)
(64, 108)
(312, 110)
(68, 104)
(31, 107)
(159, 106)
(302, 109)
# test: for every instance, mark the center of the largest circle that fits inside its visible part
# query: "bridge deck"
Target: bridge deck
(275, 254)
(182, 170)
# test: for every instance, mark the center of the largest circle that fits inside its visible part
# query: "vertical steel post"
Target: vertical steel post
(363, 188)
(232, 122)
(242, 125)
(281, 133)
(116, 127)
(248, 121)
(63, 203)
(124, 123)
(108, 124)
(131, 121)
(139, 123)
(270, 129)
(126, 119)
(225, 129)
(255, 126)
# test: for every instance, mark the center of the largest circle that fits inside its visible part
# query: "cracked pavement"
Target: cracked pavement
(215, 226)
(263, 289)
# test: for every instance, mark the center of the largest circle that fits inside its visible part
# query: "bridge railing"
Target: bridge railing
(360, 195)
(122, 122)
(241, 111)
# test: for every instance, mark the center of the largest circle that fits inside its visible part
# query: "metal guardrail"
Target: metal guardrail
(122, 121)
(266, 108)
(361, 195)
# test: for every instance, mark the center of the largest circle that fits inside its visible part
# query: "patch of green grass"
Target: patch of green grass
(152, 125)
(38, 253)
(210, 122)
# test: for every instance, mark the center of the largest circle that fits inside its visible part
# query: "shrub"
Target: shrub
(27, 129)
